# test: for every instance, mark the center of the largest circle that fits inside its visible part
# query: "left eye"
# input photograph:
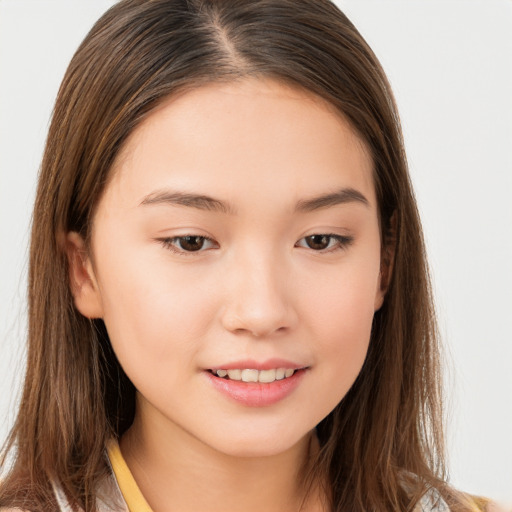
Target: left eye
(322, 242)
(188, 243)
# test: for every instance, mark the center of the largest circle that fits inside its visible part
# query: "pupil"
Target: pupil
(318, 241)
(192, 243)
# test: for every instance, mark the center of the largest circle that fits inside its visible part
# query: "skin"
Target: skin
(257, 290)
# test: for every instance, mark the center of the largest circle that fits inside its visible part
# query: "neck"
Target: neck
(175, 470)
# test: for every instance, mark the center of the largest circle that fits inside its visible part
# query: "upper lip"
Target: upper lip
(252, 364)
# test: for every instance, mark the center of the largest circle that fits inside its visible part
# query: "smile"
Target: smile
(256, 388)
(251, 375)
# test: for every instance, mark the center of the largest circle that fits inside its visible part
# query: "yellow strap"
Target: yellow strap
(129, 488)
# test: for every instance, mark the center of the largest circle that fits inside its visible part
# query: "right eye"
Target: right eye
(188, 243)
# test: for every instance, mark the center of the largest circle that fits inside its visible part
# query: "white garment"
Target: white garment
(110, 499)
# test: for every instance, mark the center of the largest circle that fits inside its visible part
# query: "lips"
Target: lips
(253, 375)
(256, 384)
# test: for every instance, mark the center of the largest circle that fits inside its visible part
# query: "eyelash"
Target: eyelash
(342, 242)
(171, 243)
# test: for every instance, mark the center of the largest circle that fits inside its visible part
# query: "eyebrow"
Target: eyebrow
(204, 202)
(200, 201)
(345, 195)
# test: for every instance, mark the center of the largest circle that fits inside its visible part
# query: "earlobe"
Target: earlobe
(82, 280)
(383, 285)
(387, 262)
(379, 300)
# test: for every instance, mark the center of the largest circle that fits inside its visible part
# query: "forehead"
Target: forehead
(251, 138)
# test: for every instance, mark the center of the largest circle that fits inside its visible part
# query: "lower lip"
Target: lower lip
(256, 394)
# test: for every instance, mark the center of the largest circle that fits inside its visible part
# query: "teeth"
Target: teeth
(280, 373)
(267, 376)
(250, 375)
(263, 376)
(234, 374)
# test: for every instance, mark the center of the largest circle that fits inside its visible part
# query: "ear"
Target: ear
(82, 280)
(387, 261)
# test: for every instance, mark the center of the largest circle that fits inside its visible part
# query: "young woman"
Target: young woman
(229, 303)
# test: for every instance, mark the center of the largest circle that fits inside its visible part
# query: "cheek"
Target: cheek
(153, 314)
(343, 326)
(341, 350)
(342, 298)
(342, 310)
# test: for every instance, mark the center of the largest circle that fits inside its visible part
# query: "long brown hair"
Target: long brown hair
(382, 446)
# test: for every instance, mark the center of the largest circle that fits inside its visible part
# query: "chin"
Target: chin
(252, 444)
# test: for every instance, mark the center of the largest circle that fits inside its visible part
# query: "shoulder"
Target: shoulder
(108, 497)
(432, 501)
(489, 506)
(495, 507)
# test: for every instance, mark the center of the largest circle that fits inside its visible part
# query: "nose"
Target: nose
(259, 297)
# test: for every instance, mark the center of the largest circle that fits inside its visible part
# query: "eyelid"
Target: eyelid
(343, 242)
(170, 244)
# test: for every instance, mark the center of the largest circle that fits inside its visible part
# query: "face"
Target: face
(238, 239)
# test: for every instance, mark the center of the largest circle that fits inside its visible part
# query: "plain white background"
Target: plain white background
(450, 63)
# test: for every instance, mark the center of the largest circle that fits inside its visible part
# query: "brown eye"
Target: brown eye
(325, 242)
(191, 243)
(188, 243)
(318, 242)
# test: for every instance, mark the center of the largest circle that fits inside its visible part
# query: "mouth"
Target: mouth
(257, 376)
(252, 387)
